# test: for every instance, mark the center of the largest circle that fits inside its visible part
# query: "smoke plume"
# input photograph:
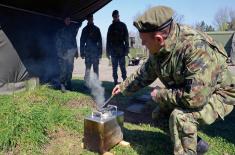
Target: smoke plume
(96, 88)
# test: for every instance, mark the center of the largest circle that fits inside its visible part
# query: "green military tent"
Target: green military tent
(227, 38)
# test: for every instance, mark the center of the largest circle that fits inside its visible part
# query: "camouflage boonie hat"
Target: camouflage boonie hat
(154, 19)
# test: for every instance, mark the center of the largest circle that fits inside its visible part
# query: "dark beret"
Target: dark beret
(154, 19)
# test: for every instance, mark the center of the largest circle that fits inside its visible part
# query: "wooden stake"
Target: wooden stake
(108, 153)
(124, 143)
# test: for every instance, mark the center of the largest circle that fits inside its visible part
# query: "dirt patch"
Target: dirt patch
(86, 101)
(63, 142)
(15, 150)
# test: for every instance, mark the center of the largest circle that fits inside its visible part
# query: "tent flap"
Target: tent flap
(77, 10)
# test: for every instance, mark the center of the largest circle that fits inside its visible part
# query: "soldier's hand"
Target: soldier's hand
(155, 92)
(116, 90)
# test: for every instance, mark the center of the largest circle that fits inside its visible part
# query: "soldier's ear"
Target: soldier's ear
(159, 38)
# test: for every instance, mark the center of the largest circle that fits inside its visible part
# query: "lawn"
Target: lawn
(46, 121)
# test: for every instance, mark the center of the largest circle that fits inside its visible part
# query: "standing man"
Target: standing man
(91, 47)
(117, 45)
(192, 66)
(66, 50)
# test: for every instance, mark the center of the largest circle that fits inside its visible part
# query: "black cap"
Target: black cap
(115, 13)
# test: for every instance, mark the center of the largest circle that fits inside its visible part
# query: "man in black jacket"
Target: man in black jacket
(66, 51)
(91, 47)
(117, 45)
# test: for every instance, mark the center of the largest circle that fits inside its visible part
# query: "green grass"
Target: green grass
(137, 52)
(27, 118)
(28, 121)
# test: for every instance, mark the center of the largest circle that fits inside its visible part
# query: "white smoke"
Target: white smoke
(96, 88)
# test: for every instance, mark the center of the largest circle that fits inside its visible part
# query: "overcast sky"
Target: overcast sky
(193, 11)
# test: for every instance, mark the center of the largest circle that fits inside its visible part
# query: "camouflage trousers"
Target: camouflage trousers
(122, 63)
(66, 70)
(184, 123)
(91, 62)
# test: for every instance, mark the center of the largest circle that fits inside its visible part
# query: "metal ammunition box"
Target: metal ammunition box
(103, 130)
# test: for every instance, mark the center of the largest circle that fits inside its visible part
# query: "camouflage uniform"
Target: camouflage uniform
(199, 87)
(66, 51)
(91, 48)
(118, 47)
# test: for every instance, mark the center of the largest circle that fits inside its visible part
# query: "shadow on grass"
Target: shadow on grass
(224, 129)
(122, 102)
(221, 128)
(144, 142)
(78, 85)
(148, 142)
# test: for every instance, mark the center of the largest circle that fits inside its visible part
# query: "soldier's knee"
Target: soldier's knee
(176, 114)
(183, 120)
(174, 118)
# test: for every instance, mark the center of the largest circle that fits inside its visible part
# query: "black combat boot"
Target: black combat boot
(69, 85)
(202, 146)
(124, 78)
(115, 82)
(62, 88)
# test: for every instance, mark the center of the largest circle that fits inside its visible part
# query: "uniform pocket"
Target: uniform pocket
(210, 111)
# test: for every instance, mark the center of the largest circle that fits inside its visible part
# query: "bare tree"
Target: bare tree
(178, 17)
(202, 26)
(225, 19)
(232, 23)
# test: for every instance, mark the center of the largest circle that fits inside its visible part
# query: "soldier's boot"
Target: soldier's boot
(115, 82)
(62, 88)
(69, 85)
(202, 146)
(124, 78)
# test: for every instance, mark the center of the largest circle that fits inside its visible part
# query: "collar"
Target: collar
(117, 20)
(171, 40)
(90, 23)
(164, 55)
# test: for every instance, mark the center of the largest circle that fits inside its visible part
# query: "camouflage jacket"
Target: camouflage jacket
(66, 39)
(91, 41)
(191, 65)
